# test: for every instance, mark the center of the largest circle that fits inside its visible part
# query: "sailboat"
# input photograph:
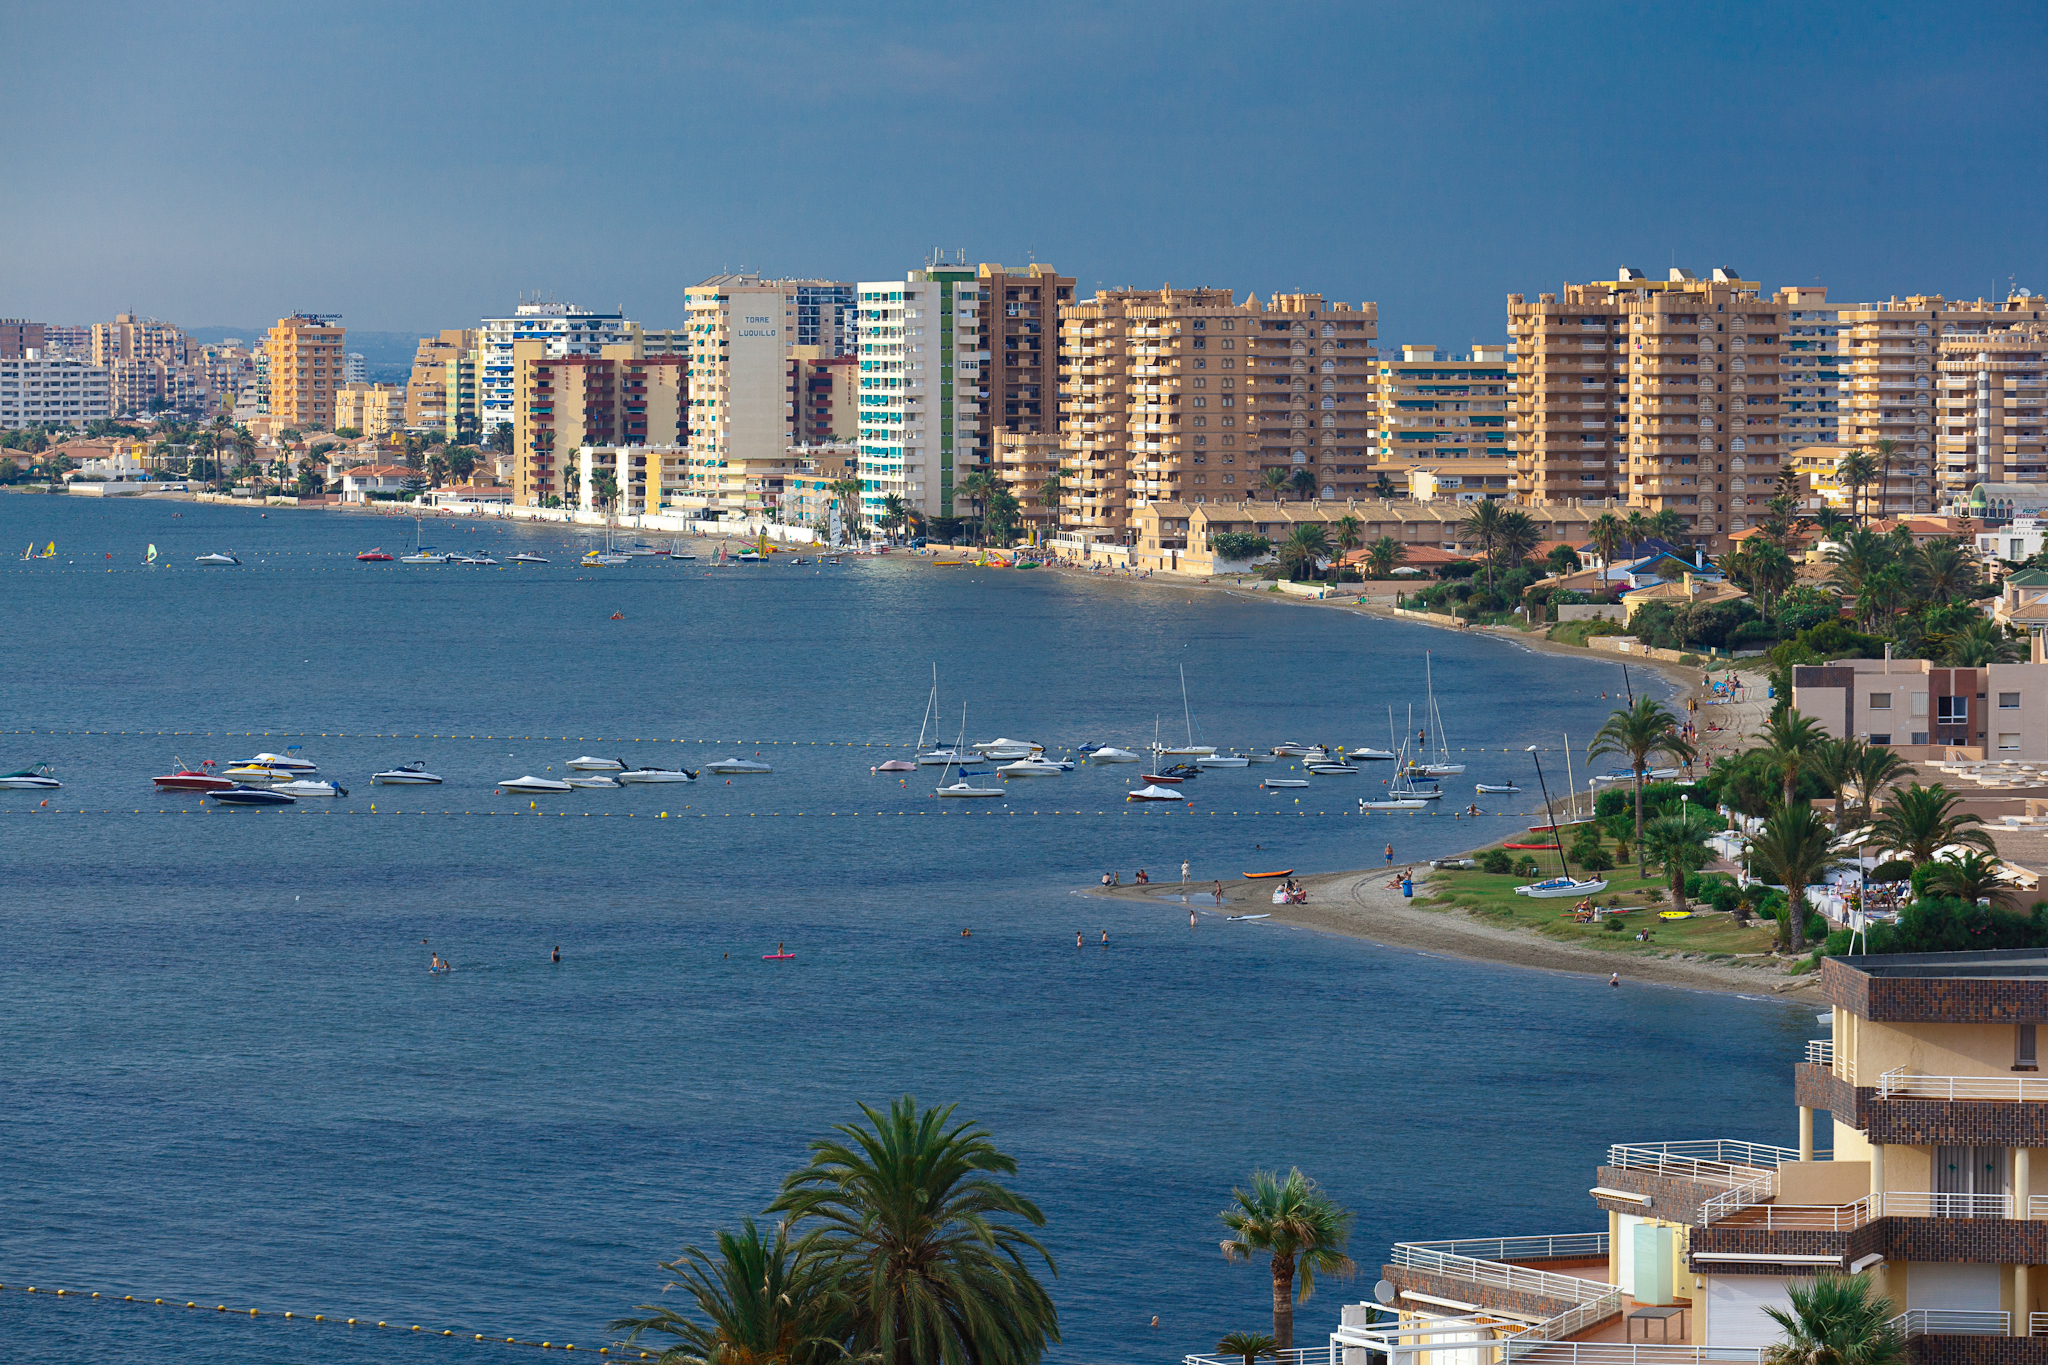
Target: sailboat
(421, 554)
(1442, 766)
(963, 788)
(1189, 749)
(1566, 885)
(30, 552)
(931, 702)
(1400, 795)
(151, 559)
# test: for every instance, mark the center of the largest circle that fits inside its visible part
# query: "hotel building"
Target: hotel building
(560, 329)
(563, 403)
(305, 369)
(921, 354)
(53, 390)
(1446, 417)
(1920, 1177)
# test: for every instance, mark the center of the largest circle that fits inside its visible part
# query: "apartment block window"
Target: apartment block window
(2009, 741)
(1951, 710)
(2023, 1054)
(1880, 701)
(1876, 738)
(2008, 701)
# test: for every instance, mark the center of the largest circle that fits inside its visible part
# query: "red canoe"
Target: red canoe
(185, 780)
(373, 557)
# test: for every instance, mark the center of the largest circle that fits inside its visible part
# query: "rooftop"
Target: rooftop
(2004, 964)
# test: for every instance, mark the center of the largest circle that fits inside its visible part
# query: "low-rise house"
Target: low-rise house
(358, 484)
(1928, 711)
(2020, 539)
(1691, 589)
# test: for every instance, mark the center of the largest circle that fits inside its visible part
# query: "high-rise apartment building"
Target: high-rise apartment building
(305, 363)
(1811, 367)
(1889, 350)
(563, 403)
(825, 390)
(561, 329)
(147, 364)
(1567, 420)
(1020, 312)
(64, 339)
(1446, 416)
(230, 370)
(1184, 395)
(53, 390)
(741, 333)
(427, 391)
(354, 369)
(825, 315)
(921, 355)
(128, 337)
(1991, 413)
(18, 335)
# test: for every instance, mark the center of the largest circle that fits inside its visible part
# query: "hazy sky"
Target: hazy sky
(415, 166)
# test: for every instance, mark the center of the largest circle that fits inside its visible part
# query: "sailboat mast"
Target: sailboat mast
(1187, 716)
(1571, 799)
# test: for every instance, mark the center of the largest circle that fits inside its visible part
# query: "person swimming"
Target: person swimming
(558, 952)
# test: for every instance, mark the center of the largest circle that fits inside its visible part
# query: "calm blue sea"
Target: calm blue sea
(229, 1079)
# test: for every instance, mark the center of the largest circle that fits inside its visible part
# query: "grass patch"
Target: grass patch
(1577, 632)
(1493, 897)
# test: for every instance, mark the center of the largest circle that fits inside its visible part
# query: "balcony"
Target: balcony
(1901, 1084)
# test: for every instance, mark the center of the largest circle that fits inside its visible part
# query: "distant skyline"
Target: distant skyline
(413, 168)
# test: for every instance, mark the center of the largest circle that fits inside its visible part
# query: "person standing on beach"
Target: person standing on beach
(1390, 855)
(1184, 871)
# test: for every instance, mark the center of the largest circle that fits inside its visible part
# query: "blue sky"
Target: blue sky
(416, 166)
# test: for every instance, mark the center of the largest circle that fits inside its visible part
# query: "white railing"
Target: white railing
(1718, 1159)
(1790, 1217)
(1537, 1352)
(1844, 1217)
(2037, 1324)
(1300, 1355)
(1749, 1194)
(1561, 1246)
(1500, 1275)
(1821, 1052)
(1917, 1204)
(1901, 1083)
(1925, 1322)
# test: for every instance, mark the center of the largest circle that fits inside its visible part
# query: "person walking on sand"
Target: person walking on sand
(1219, 893)
(1184, 871)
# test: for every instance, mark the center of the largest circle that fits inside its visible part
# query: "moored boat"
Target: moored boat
(588, 764)
(582, 780)
(1272, 783)
(1031, 767)
(35, 777)
(1395, 803)
(530, 783)
(736, 765)
(526, 559)
(308, 786)
(407, 775)
(894, 765)
(1110, 754)
(1154, 793)
(1496, 788)
(199, 779)
(1558, 887)
(253, 796)
(649, 775)
(216, 559)
(282, 762)
(963, 788)
(373, 557)
(1222, 761)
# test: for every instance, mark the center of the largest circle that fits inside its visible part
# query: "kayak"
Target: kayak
(1255, 876)
(778, 957)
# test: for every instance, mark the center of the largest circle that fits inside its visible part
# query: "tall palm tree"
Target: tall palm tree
(1638, 733)
(1304, 545)
(978, 488)
(1679, 844)
(1273, 478)
(1482, 524)
(1515, 535)
(1884, 451)
(758, 1301)
(1350, 533)
(1302, 1228)
(1945, 571)
(1304, 481)
(1971, 877)
(1917, 822)
(1049, 492)
(1874, 768)
(895, 511)
(1835, 1321)
(1855, 558)
(1829, 521)
(1668, 524)
(908, 1215)
(1607, 534)
(1384, 554)
(1795, 850)
(1638, 529)
(1794, 743)
(1981, 643)
(1856, 471)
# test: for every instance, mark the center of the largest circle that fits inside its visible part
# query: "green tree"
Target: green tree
(930, 1248)
(1945, 571)
(1238, 545)
(1639, 733)
(1835, 1320)
(1795, 850)
(1383, 486)
(1982, 643)
(1482, 525)
(1304, 545)
(1515, 537)
(1829, 521)
(1049, 491)
(1383, 555)
(1562, 560)
(1668, 524)
(1856, 471)
(1350, 533)
(1884, 452)
(1304, 481)
(1607, 534)
(501, 438)
(1248, 1347)
(978, 487)
(1301, 1227)
(1794, 743)
(758, 1302)
(1969, 877)
(1273, 478)
(1917, 822)
(1678, 843)
(848, 492)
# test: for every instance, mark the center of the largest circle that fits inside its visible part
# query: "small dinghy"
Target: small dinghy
(1274, 783)
(530, 783)
(1154, 794)
(587, 764)
(1238, 918)
(1496, 788)
(1112, 754)
(408, 775)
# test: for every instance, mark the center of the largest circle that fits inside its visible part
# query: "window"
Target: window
(2008, 701)
(1880, 701)
(1880, 739)
(2011, 741)
(2023, 1053)
(1951, 710)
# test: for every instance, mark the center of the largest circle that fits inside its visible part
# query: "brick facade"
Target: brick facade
(1977, 1350)
(1520, 1302)
(1673, 1199)
(1976, 1241)
(2020, 998)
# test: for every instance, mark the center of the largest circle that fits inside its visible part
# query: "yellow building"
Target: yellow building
(372, 409)
(1446, 416)
(428, 394)
(305, 361)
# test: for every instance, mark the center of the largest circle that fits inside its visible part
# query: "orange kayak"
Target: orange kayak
(1255, 876)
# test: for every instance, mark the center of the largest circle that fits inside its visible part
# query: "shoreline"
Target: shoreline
(1360, 904)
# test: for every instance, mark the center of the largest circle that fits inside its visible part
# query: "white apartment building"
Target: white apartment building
(738, 337)
(566, 330)
(353, 369)
(921, 358)
(52, 390)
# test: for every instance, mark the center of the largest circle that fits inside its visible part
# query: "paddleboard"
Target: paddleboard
(1248, 917)
(778, 957)
(1255, 876)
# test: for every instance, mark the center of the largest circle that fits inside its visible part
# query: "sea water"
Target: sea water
(231, 1080)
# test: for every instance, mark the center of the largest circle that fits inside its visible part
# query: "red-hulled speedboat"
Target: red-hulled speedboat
(373, 557)
(200, 779)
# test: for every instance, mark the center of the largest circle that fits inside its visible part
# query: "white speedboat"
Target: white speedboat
(1273, 782)
(426, 557)
(1186, 750)
(1262, 758)
(257, 772)
(216, 559)
(942, 758)
(1331, 769)
(1559, 887)
(409, 775)
(991, 747)
(480, 561)
(308, 786)
(1291, 749)
(35, 778)
(1113, 755)
(526, 559)
(1397, 803)
(1439, 769)
(963, 788)
(657, 775)
(530, 783)
(1031, 767)
(736, 765)
(254, 796)
(1363, 752)
(1150, 792)
(281, 761)
(1223, 761)
(593, 780)
(587, 764)
(1496, 788)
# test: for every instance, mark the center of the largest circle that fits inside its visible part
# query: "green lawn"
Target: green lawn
(1493, 897)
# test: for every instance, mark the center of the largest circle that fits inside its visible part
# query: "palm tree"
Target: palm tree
(1639, 732)
(1304, 481)
(1945, 571)
(895, 511)
(762, 1302)
(1835, 1321)
(1917, 822)
(1607, 533)
(1856, 471)
(1274, 479)
(1981, 643)
(1668, 524)
(1679, 844)
(1971, 877)
(1884, 451)
(1514, 536)
(1482, 524)
(1829, 521)
(1855, 558)
(978, 488)
(1383, 554)
(926, 1242)
(1794, 850)
(848, 492)
(1794, 743)
(1248, 1347)
(1350, 533)
(1304, 545)
(1638, 530)
(1885, 592)
(1303, 1228)
(1049, 492)
(1874, 768)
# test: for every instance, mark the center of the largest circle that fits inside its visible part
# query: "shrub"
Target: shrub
(1594, 860)
(1752, 635)
(1896, 870)
(1239, 545)
(1526, 867)
(1496, 860)
(1937, 925)
(1613, 925)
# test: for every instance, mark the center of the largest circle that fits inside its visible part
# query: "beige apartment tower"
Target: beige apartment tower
(427, 390)
(1446, 417)
(305, 362)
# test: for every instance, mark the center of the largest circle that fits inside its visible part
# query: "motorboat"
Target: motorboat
(216, 559)
(1273, 782)
(594, 780)
(257, 772)
(1222, 761)
(254, 796)
(1496, 788)
(193, 779)
(1394, 803)
(992, 747)
(1292, 749)
(475, 561)
(657, 775)
(373, 557)
(964, 788)
(1331, 769)
(942, 758)
(587, 764)
(1186, 750)
(730, 766)
(530, 783)
(1363, 752)
(1031, 767)
(36, 778)
(594, 558)
(1108, 754)
(281, 762)
(409, 775)
(1007, 755)
(1162, 778)
(894, 765)
(1182, 770)
(1262, 758)
(308, 786)
(426, 557)
(526, 559)
(1559, 887)
(1153, 793)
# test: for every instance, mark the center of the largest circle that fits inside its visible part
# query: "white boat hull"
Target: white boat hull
(402, 777)
(587, 764)
(1186, 750)
(1027, 768)
(1440, 769)
(30, 784)
(1288, 782)
(731, 767)
(302, 787)
(942, 758)
(594, 780)
(1356, 754)
(1558, 891)
(535, 784)
(962, 790)
(1223, 761)
(1393, 805)
(1494, 789)
(1114, 756)
(655, 775)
